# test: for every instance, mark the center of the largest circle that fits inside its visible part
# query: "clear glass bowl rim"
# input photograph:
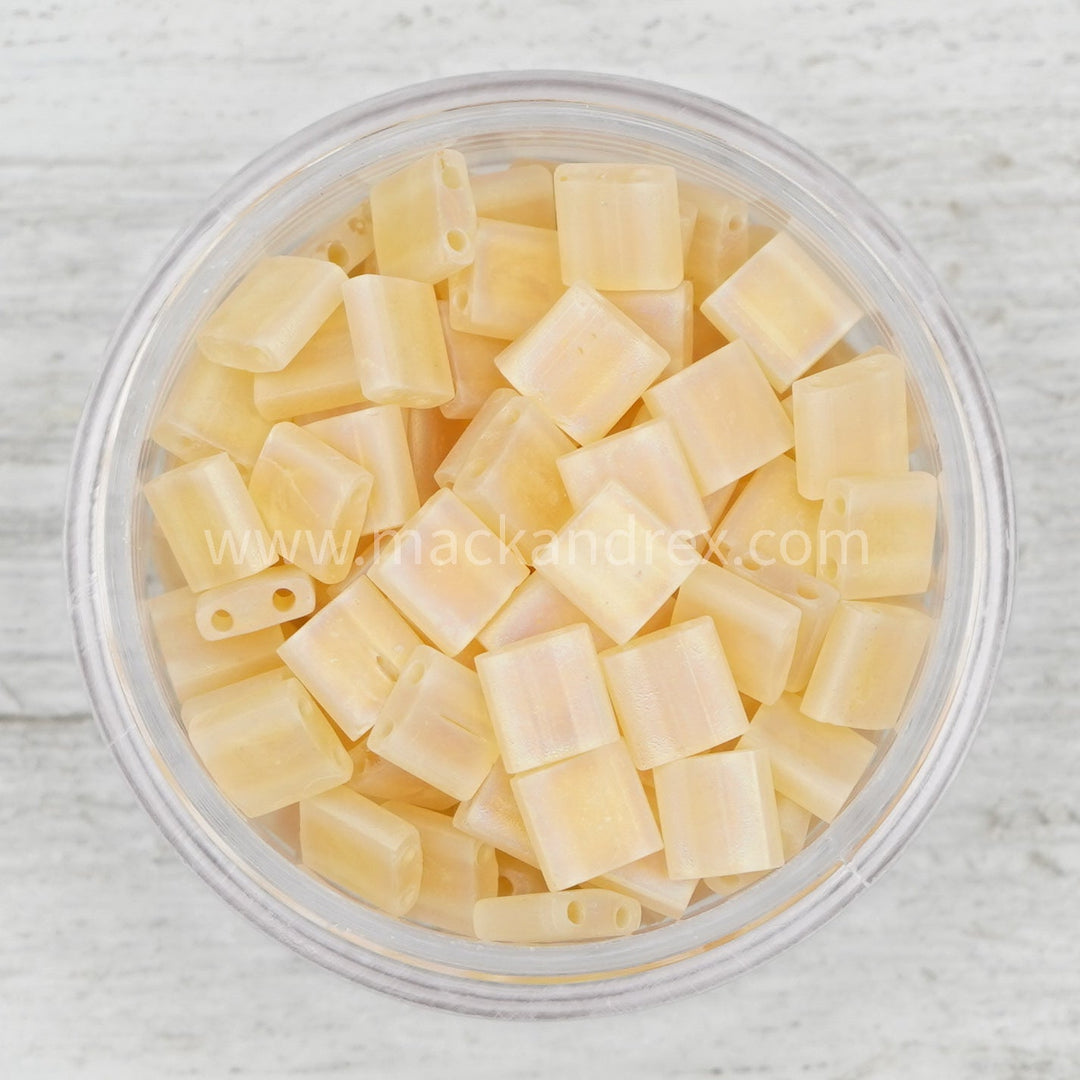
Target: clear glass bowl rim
(710, 962)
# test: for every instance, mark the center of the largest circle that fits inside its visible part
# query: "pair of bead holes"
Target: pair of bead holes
(575, 912)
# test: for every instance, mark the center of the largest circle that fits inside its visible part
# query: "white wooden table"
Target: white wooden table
(117, 120)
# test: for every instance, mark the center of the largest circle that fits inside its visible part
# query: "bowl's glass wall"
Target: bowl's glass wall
(321, 173)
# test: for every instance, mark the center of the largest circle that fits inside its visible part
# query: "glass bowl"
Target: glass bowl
(318, 174)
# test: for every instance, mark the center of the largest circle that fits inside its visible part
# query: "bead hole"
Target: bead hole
(337, 254)
(622, 918)
(456, 240)
(461, 299)
(221, 620)
(575, 912)
(414, 674)
(451, 178)
(284, 599)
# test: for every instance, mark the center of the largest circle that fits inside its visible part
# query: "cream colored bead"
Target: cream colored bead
(601, 788)
(510, 479)
(535, 607)
(523, 194)
(348, 242)
(492, 815)
(716, 503)
(544, 918)
(164, 569)
(382, 781)
(794, 825)
(435, 725)
(313, 499)
(649, 462)
(486, 418)
(398, 341)
(876, 535)
(424, 218)
(619, 225)
(196, 666)
(447, 572)
(707, 339)
(816, 765)
(356, 844)
(349, 655)
(265, 743)
(727, 418)
(431, 437)
(211, 409)
(472, 364)
(210, 522)
(785, 307)
(667, 316)
(268, 318)
(647, 881)
(866, 665)
(585, 362)
(375, 439)
(757, 629)
(718, 814)
(850, 420)
(511, 282)
(546, 697)
(323, 375)
(770, 521)
(816, 601)
(517, 878)
(458, 871)
(688, 215)
(673, 693)
(617, 562)
(721, 239)
(267, 599)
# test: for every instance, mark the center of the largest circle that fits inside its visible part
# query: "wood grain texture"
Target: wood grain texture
(119, 119)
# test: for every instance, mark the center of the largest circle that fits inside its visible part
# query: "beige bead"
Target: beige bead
(716, 503)
(718, 814)
(266, 599)
(585, 363)
(424, 218)
(850, 420)
(535, 607)
(265, 743)
(350, 654)
(547, 698)
(647, 881)
(816, 765)
(382, 781)
(398, 341)
(312, 498)
(472, 364)
(268, 318)
(770, 521)
(323, 375)
(673, 693)
(707, 339)
(431, 437)
(785, 307)
(511, 282)
(356, 844)
(435, 725)
(876, 535)
(619, 225)
(649, 462)
(544, 918)
(794, 825)
(617, 562)
(757, 629)
(196, 666)
(667, 316)
(510, 479)
(210, 522)
(688, 215)
(375, 439)
(447, 572)
(866, 665)
(348, 242)
(486, 418)
(721, 238)
(517, 878)
(523, 194)
(458, 871)
(727, 418)
(211, 409)
(600, 787)
(492, 815)
(816, 601)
